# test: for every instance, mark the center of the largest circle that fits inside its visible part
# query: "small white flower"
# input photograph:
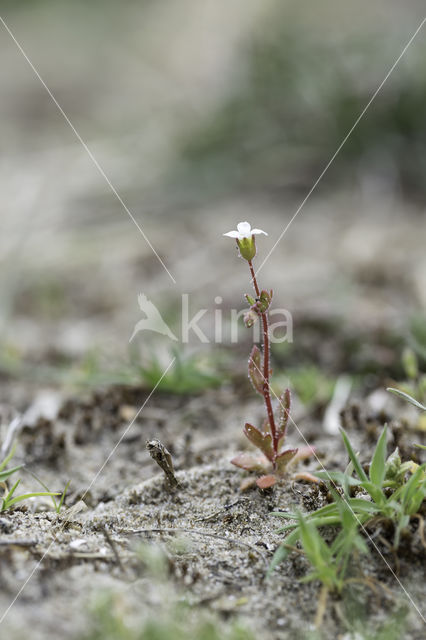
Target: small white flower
(243, 231)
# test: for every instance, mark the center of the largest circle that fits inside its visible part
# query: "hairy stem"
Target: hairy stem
(266, 367)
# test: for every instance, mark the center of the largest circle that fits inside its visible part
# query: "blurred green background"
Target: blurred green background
(202, 114)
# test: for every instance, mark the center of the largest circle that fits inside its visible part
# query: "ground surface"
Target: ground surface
(351, 269)
(217, 540)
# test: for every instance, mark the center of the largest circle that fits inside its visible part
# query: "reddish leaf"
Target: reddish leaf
(264, 482)
(283, 459)
(284, 412)
(262, 441)
(248, 483)
(304, 452)
(255, 369)
(307, 477)
(251, 462)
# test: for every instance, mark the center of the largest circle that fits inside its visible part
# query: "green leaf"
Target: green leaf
(338, 477)
(352, 455)
(317, 551)
(375, 492)
(407, 396)
(8, 472)
(7, 499)
(25, 496)
(378, 463)
(64, 493)
(282, 552)
(414, 484)
(8, 458)
(264, 301)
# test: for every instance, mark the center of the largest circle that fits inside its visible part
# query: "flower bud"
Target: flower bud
(250, 318)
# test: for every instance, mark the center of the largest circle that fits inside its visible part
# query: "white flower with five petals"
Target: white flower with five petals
(244, 230)
(244, 236)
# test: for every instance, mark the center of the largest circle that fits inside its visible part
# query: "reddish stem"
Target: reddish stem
(266, 368)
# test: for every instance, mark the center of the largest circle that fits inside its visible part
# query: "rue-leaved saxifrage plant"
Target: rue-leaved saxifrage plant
(273, 460)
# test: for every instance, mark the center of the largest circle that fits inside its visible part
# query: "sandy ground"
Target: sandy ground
(351, 269)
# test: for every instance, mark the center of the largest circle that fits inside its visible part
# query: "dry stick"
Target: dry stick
(322, 604)
(266, 368)
(197, 532)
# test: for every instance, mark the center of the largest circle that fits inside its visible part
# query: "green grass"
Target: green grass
(9, 499)
(190, 373)
(299, 95)
(330, 562)
(310, 384)
(408, 490)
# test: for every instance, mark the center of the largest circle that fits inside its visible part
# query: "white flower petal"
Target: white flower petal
(257, 231)
(244, 229)
(232, 234)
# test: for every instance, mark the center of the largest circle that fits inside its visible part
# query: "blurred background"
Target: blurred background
(202, 114)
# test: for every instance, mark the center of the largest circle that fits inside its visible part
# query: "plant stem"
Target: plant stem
(266, 367)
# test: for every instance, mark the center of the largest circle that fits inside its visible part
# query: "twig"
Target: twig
(322, 604)
(162, 457)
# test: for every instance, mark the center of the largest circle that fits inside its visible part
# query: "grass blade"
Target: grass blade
(354, 458)
(406, 396)
(377, 467)
(8, 472)
(25, 496)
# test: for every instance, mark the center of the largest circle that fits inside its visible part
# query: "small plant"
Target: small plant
(189, 374)
(270, 438)
(5, 473)
(387, 494)
(57, 505)
(415, 385)
(411, 400)
(330, 562)
(8, 499)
